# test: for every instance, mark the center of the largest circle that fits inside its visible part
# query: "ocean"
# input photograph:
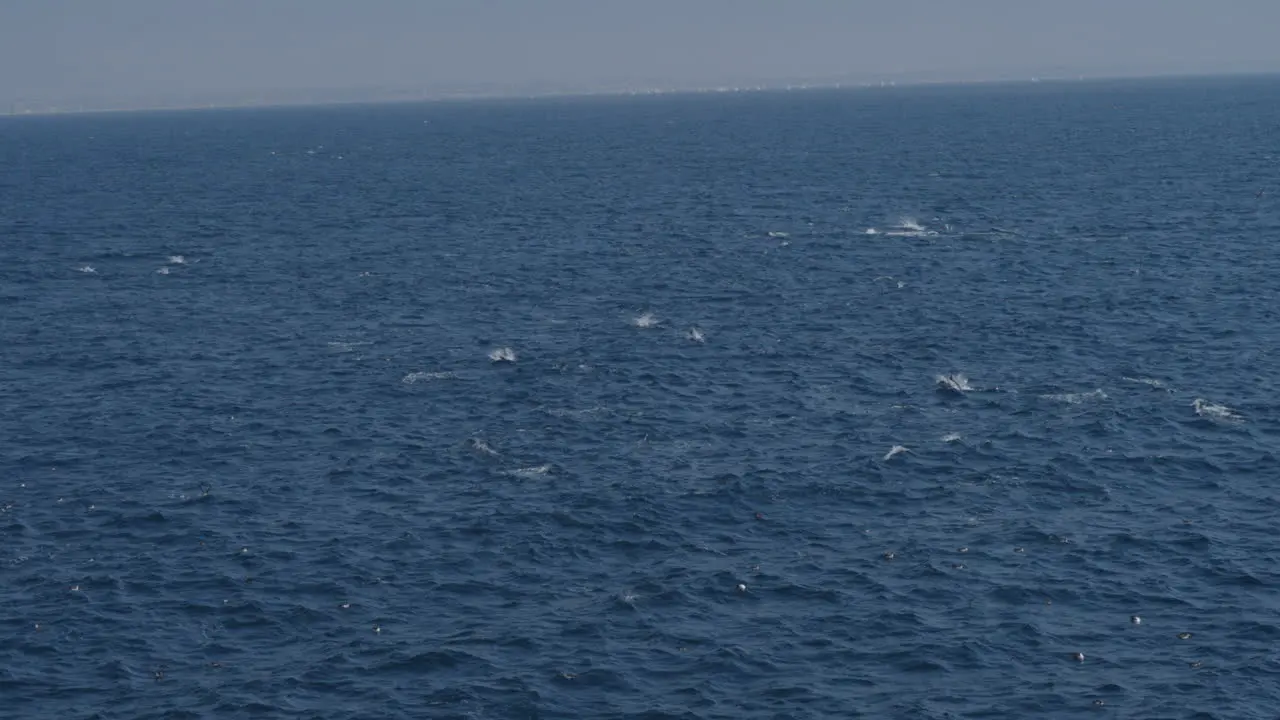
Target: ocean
(913, 402)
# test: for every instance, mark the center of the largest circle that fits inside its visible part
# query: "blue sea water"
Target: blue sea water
(866, 403)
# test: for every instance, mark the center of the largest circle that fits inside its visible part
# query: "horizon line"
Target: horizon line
(406, 97)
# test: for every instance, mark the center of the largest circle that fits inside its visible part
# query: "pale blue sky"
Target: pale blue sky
(127, 48)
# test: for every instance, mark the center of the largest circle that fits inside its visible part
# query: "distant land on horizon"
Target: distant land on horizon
(259, 98)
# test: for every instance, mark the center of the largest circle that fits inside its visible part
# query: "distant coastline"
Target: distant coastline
(383, 96)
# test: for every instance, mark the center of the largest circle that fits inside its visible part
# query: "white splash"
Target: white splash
(908, 227)
(415, 377)
(646, 320)
(1214, 411)
(695, 335)
(955, 382)
(87, 269)
(502, 354)
(894, 451)
(1076, 398)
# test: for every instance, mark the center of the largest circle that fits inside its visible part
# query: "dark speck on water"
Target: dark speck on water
(393, 412)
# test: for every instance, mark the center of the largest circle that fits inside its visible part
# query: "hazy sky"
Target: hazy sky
(129, 48)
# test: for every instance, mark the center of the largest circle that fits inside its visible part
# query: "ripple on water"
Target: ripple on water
(399, 438)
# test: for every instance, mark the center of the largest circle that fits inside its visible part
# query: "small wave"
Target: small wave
(871, 231)
(954, 382)
(695, 335)
(895, 451)
(87, 269)
(908, 227)
(777, 234)
(502, 354)
(1147, 381)
(483, 447)
(646, 320)
(162, 271)
(421, 376)
(529, 472)
(910, 233)
(951, 437)
(1214, 411)
(341, 346)
(575, 412)
(1075, 398)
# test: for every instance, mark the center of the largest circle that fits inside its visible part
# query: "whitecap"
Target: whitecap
(954, 382)
(529, 472)
(177, 260)
(777, 234)
(482, 447)
(951, 437)
(421, 376)
(908, 227)
(871, 231)
(1214, 411)
(646, 320)
(894, 451)
(1147, 381)
(162, 271)
(502, 354)
(87, 269)
(1076, 398)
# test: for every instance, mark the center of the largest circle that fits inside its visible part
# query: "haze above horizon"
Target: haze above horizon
(134, 54)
